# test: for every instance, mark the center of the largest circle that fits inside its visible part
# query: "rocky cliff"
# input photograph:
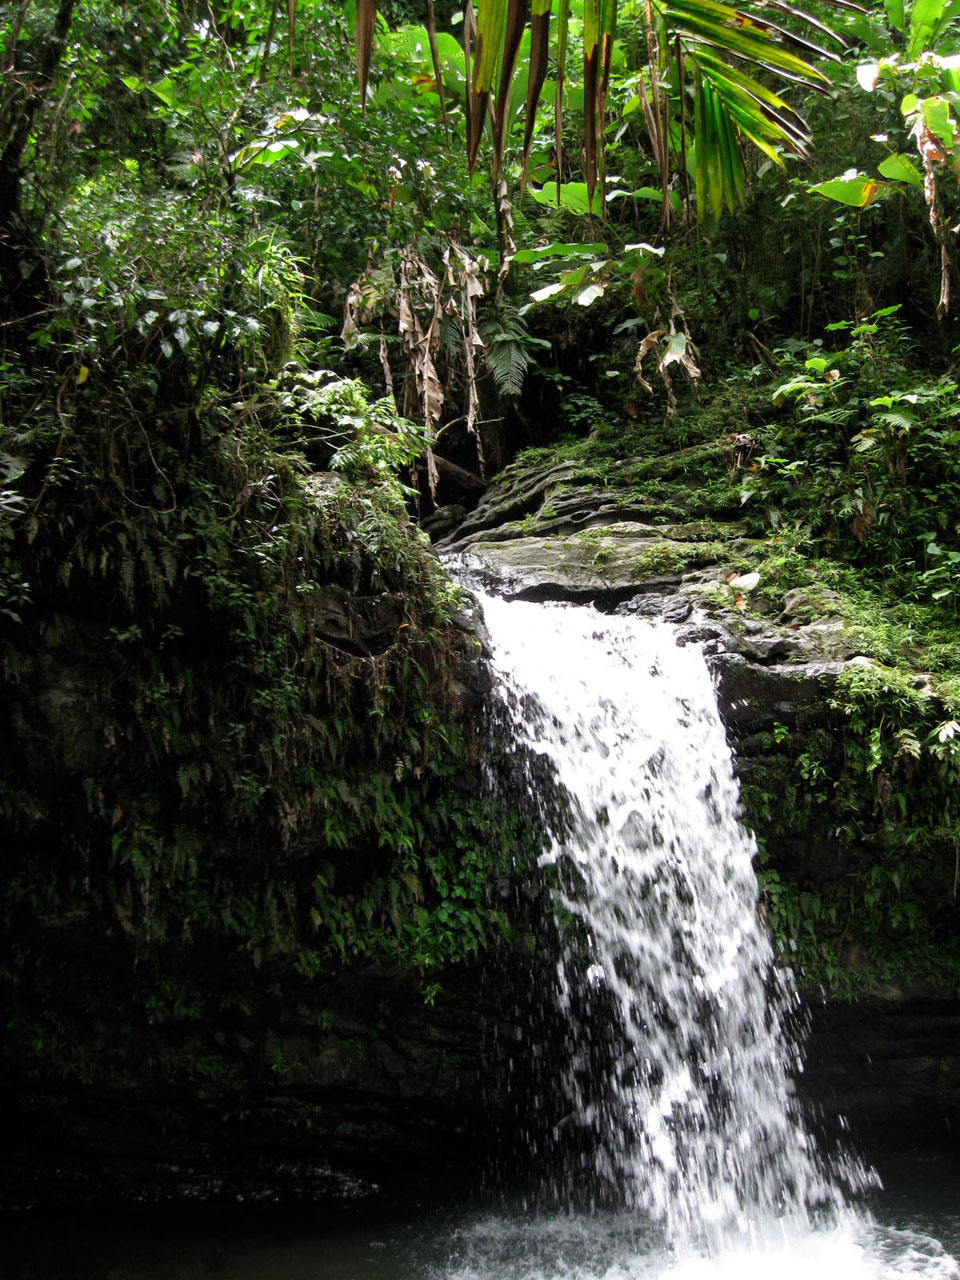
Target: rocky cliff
(800, 678)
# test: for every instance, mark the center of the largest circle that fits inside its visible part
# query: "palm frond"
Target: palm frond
(730, 51)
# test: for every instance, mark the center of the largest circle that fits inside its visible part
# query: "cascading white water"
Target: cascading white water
(696, 1123)
(694, 1127)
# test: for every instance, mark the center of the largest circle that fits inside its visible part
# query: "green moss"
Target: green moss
(674, 557)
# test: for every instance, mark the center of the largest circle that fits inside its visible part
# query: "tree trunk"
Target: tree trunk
(27, 80)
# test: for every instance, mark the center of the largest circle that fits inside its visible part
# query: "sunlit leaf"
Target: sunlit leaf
(548, 291)
(555, 250)
(572, 196)
(936, 116)
(856, 191)
(901, 169)
(895, 12)
(641, 193)
(925, 17)
(867, 75)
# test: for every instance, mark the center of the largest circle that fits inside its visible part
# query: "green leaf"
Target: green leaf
(491, 21)
(556, 250)
(895, 13)
(857, 191)
(936, 116)
(732, 31)
(900, 168)
(572, 196)
(641, 193)
(265, 153)
(164, 90)
(548, 291)
(925, 18)
(590, 294)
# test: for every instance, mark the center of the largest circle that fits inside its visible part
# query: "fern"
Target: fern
(508, 350)
(838, 417)
(898, 423)
(507, 361)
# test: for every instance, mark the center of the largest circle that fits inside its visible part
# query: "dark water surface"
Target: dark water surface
(911, 1228)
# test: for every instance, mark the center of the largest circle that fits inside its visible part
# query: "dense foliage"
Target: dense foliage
(230, 734)
(239, 304)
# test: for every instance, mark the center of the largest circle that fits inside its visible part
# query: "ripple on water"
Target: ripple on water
(573, 1247)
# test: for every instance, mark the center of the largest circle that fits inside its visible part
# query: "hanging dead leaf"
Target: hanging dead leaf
(862, 522)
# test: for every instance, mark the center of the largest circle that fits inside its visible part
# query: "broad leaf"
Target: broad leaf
(556, 250)
(936, 116)
(925, 17)
(572, 196)
(901, 169)
(643, 193)
(857, 191)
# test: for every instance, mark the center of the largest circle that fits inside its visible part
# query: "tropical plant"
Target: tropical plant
(926, 75)
(719, 54)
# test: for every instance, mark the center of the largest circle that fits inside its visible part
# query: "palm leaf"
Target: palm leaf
(733, 33)
(771, 116)
(563, 24)
(491, 19)
(808, 20)
(731, 52)
(731, 158)
(516, 22)
(469, 32)
(709, 184)
(539, 61)
(591, 65)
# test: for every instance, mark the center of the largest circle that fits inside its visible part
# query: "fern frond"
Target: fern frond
(896, 422)
(507, 361)
(507, 349)
(838, 417)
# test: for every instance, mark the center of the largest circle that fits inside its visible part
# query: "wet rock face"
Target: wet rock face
(389, 1086)
(768, 670)
(889, 1064)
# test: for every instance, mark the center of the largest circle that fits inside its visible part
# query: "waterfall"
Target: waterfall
(694, 1121)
